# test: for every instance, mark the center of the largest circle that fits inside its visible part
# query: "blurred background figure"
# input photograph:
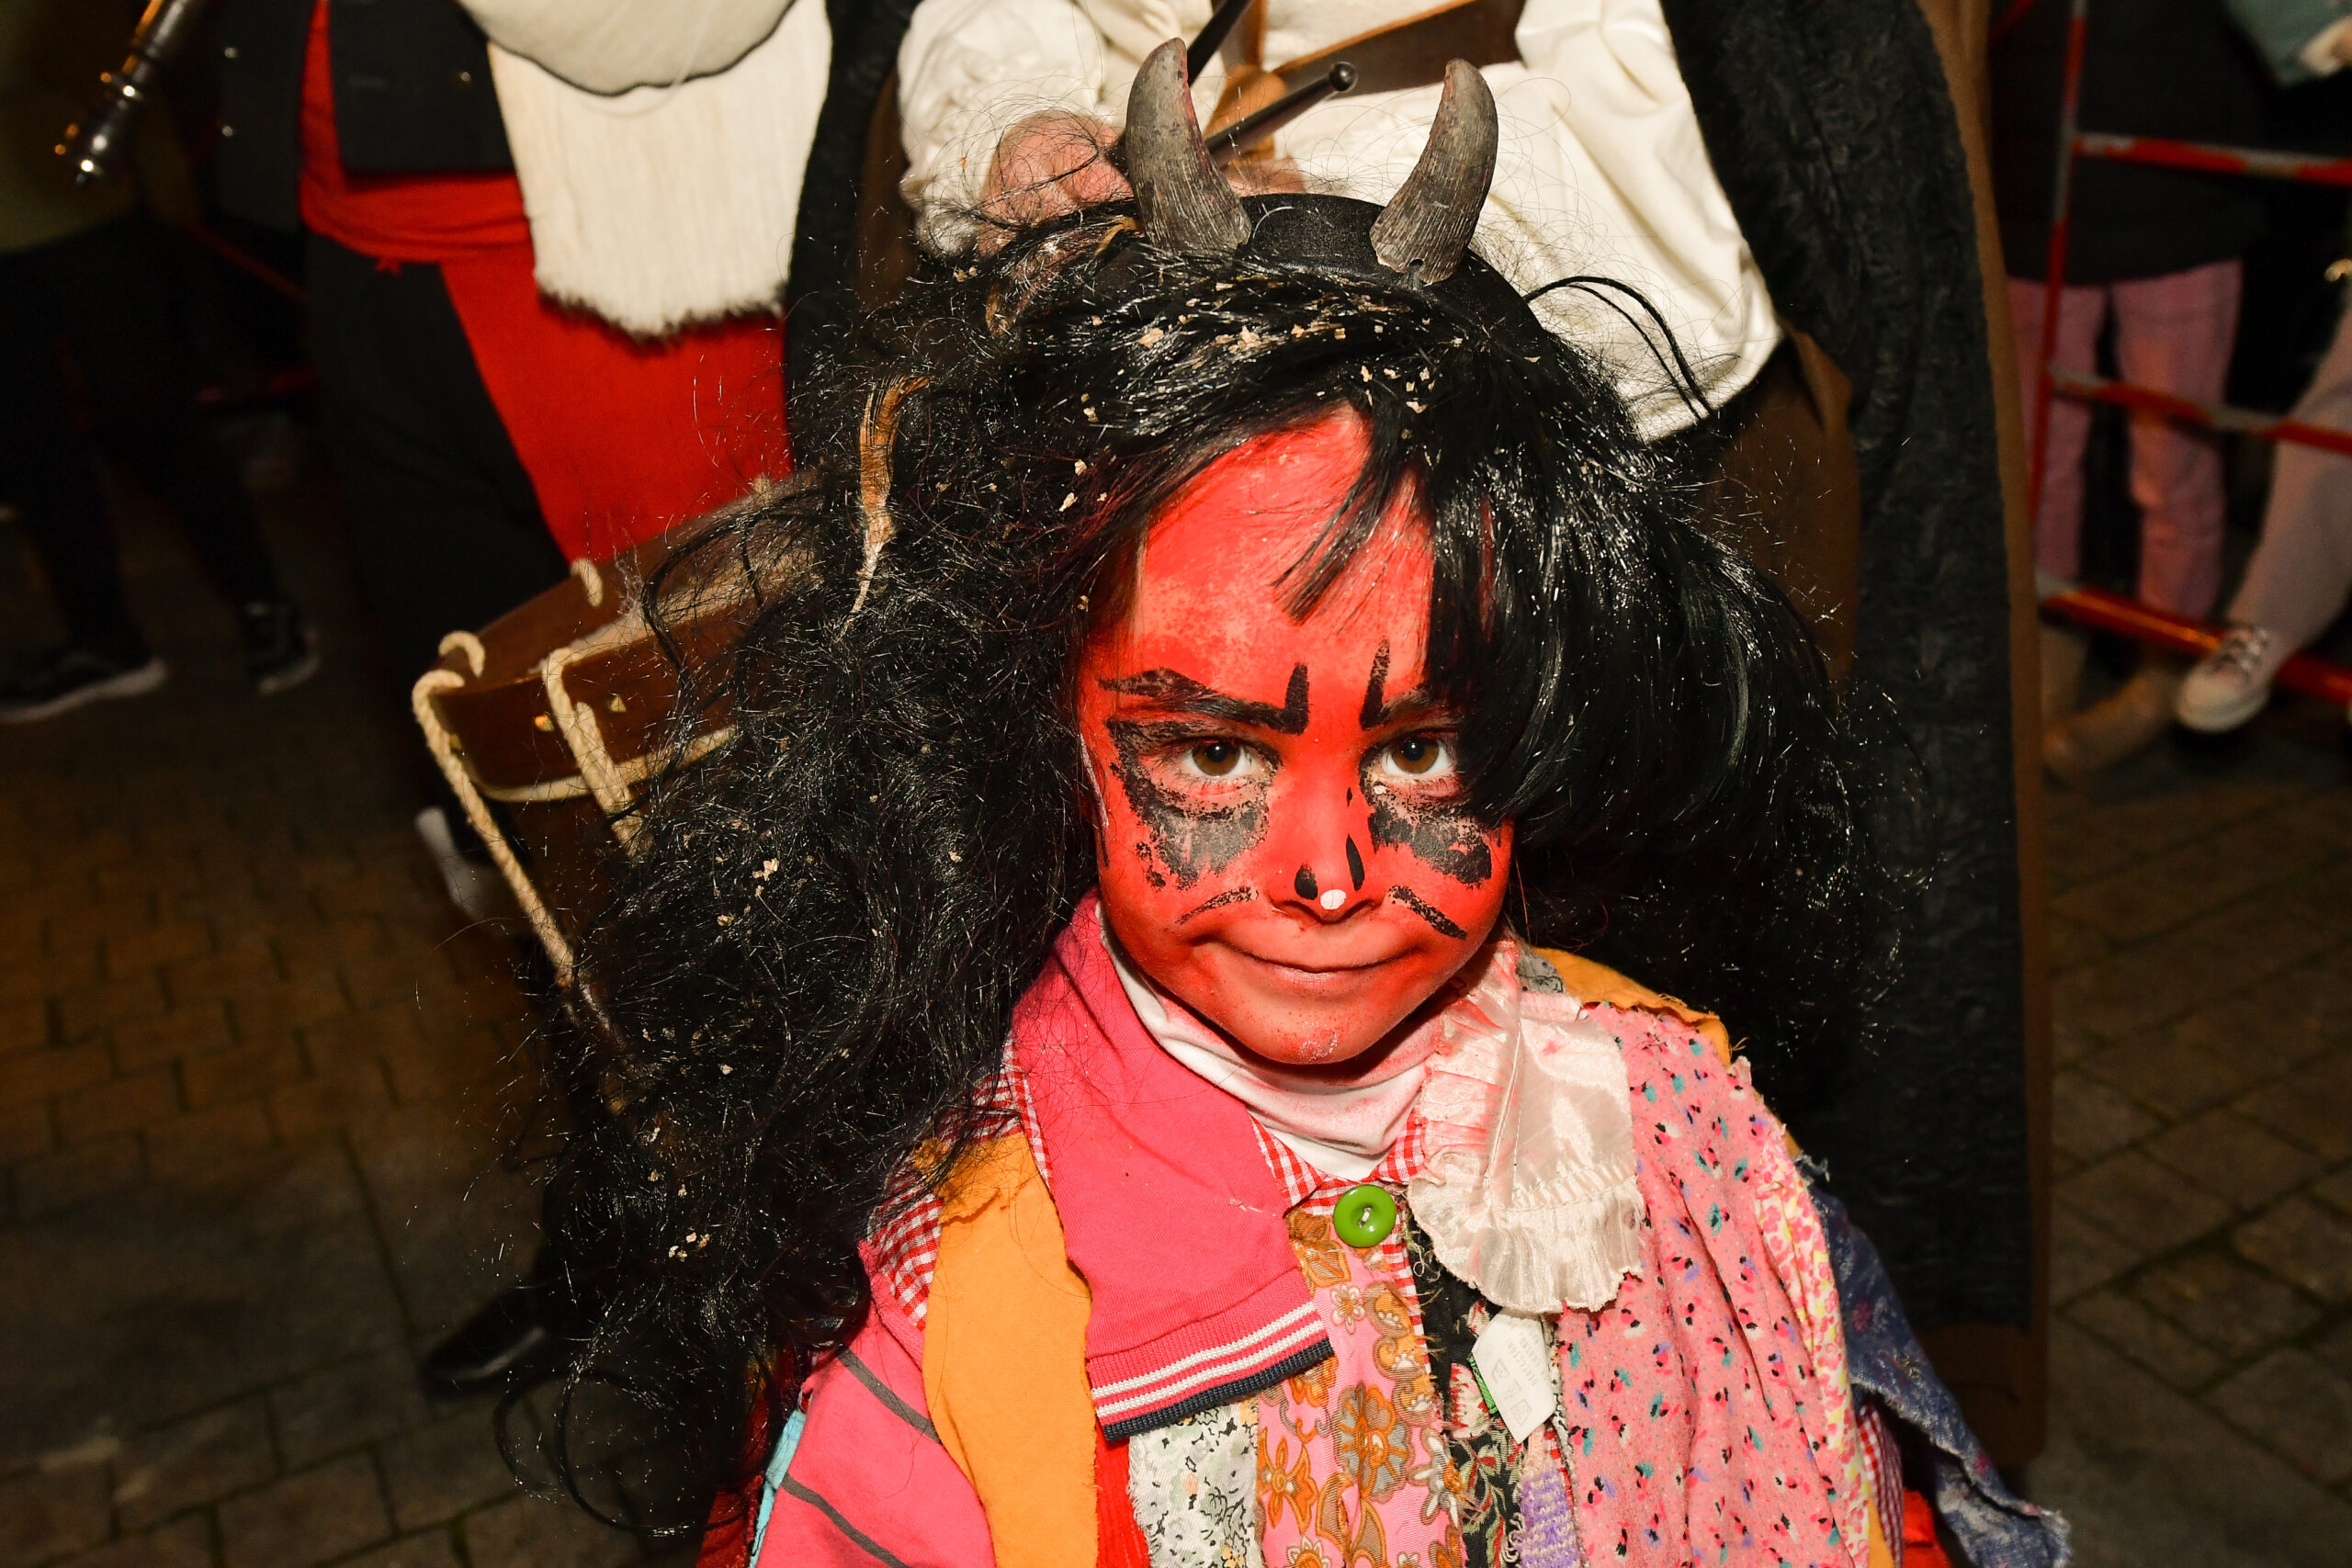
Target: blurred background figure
(484, 432)
(2158, 251)
(546, 248)
(2296, 581)
(83, 309)
(542, 296)
(1006, 106)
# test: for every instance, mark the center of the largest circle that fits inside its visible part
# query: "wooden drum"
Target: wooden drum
(559, 711)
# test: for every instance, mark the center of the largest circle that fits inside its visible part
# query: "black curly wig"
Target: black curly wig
(812, 957)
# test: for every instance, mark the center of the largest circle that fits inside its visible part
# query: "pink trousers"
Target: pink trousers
(2172, 332)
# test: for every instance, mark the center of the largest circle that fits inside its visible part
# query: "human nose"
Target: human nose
(1319, 863)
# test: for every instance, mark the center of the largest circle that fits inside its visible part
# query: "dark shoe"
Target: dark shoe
(67, 678)
(2123, 725)
(502, 1345)
(279, 652)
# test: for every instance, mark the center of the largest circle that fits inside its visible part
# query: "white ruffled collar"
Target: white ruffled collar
(1529, 1193)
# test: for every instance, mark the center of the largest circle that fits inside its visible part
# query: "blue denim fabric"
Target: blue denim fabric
(1884, 1360)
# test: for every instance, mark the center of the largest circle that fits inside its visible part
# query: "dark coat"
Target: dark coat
(820, 294)
(2169, 68)
(1831, 128)
(412, 95)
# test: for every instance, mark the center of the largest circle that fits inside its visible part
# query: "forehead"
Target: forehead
(1217, 566)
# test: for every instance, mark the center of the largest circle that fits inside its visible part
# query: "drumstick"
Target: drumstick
(1204, 47)
(1250, 130)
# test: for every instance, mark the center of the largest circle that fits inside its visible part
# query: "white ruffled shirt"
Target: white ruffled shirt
(1601, 171)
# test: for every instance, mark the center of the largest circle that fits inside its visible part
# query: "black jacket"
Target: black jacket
(2169, 68)
(412, 95)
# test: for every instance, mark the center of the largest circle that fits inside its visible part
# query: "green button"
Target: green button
(1365, 1215)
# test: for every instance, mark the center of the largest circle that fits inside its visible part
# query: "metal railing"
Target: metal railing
(2096, 608)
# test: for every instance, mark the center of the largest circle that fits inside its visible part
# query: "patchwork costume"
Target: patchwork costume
(1605, 1322)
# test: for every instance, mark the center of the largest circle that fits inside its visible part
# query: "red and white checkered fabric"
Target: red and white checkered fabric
(1407, 1158)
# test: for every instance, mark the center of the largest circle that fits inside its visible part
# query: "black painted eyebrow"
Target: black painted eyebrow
(1181, 693)
(1377, 708)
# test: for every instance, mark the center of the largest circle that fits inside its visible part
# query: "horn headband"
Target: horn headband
(1186, 206)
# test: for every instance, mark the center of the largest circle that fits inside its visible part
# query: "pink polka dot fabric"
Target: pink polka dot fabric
(1706, 1414)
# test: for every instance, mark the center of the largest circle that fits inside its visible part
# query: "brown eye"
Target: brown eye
(1217, 758)
(1422, 758)
(1416, 756)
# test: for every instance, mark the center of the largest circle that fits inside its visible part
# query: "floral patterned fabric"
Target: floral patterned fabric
(1510, 1498)
(1351, 1470)
(1193, 1486)
(1388, 1455)
(1790, 1230)
(1705, 1413)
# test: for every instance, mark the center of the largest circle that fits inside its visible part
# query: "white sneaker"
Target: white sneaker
(472, 888)
(2233, 682)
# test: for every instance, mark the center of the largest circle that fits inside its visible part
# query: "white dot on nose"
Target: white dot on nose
(1332, 899)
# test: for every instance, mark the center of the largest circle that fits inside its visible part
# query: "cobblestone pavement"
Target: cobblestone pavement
(252, 1079)
(2201, 1353)
(252, 1083)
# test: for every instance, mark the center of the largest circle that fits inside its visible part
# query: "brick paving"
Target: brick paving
(255, 1088)
(2201, 940)
(255, 1079)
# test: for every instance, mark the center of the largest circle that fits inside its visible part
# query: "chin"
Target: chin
(1311, 1032)
(1334, 1049)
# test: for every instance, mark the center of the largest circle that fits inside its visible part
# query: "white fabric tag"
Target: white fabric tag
(1513, 1355)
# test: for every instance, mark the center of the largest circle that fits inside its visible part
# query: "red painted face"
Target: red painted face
(1283, 842)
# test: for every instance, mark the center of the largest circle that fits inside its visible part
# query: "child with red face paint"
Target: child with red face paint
(1100, 1072)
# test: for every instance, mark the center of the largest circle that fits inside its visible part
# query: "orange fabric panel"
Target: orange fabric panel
(1882, 1555)
(1597, 983)
(1020, 1425)
(622, 437)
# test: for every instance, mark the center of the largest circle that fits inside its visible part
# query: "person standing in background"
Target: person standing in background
(1006, 104)
(542, 280)
(486, 431)
(79, 273)
(2302, 570)
(2158, 250)
(543, 276)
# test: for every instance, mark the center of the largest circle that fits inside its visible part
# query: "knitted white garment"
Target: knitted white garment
(1602, 168)
(674, 201)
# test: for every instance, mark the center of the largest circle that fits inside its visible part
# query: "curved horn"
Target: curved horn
(1426, 230)
(1185, 203)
